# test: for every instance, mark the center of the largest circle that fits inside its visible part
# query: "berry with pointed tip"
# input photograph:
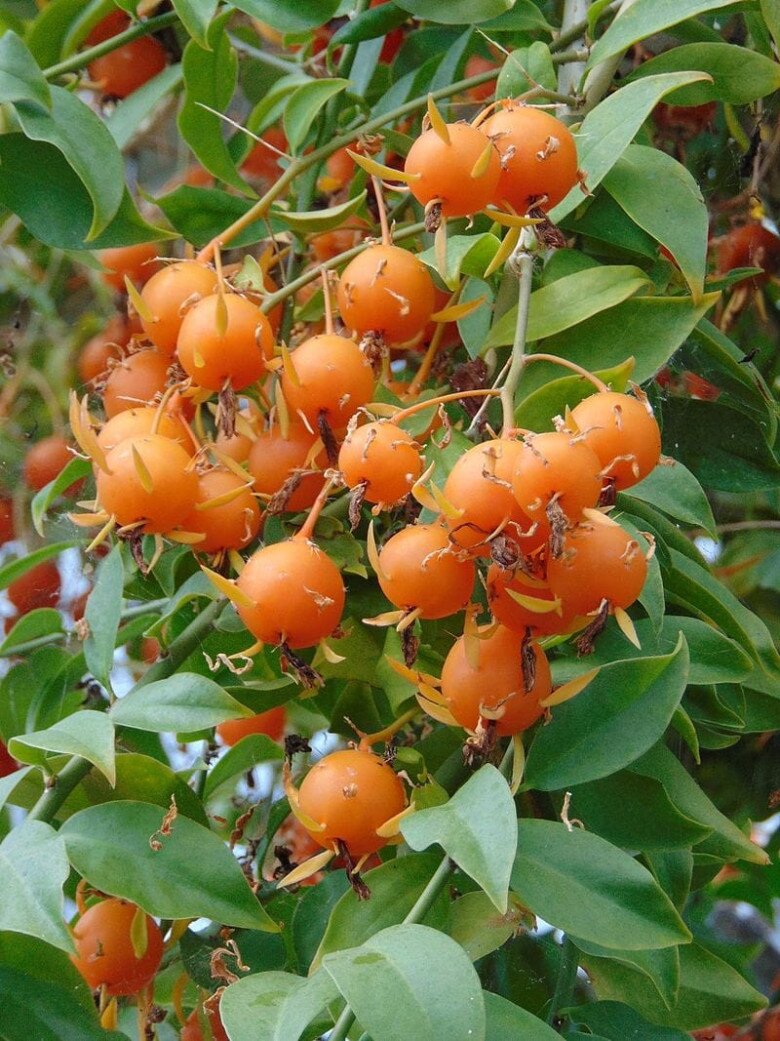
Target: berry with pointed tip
(556, 468)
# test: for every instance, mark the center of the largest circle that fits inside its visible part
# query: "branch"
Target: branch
(78, 61)
(522, 262)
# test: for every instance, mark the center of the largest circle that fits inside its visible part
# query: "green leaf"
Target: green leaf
(42, 500)
(86, 145)
(569, 301)
(710, 990)
(616, 1022)
(103, 614)
(772, 18)
(38, 184)
(34, 867)
(662, 197)
(126, 119)
(620, 715)
(312, 914)
(524, 15)
(662, 765)
(634, 812)
(183, 702)
(645, 18)
(87, 734)
(477, 828)
(303, 107)
(51, 969)
(455, 12)
(579, 883)
(142, 779)
(16, 568)
(192, 875)
(611, 126)
(603, 223)
(321, 220)
(209, 79)
(243, 756)
(675, 491)
(44, 621)
(20, 77)
(274, 1006)
(395, 888)
(739, 75)
(196, 17)
(505, 1021)
(368, 25)
(291, 16)
(661, 967)
(47, 1011)
(411, 981)
(199, 214)
(525, 68)
(469, 254)
(474, 924)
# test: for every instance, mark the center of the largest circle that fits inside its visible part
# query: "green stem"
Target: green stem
(44, 641)
(77, 768)
(273, 60)
(79, 61)
(567, 978)
(521, 259)
(575, 31)
(418, 912)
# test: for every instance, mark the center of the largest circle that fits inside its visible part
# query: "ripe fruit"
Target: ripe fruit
(44, 461)
(475, 66)
(600, 561)
(168, 294)
(128, 67)
(689, 119)
(333, 378)
(8, 764)
(215, 347)
(102, 348)
(135, 381)
(386, 291)
(6, 521)
(538, 157)
(38, 587)
(383, 456)
(555, 471)
(339, 171)
(273, 459)
(461, 173)
(751, 245)
(623, 433)
(495, 682)
(329, 244)
(104, 948)
(297, 593)
(420, 570)
(232, 525)
(480, 486)
(519, 617)
(270, 723)
(138, 262)
(151, 480)
(263, 163)
(192, 1031)
(138, 422)
(351, 793)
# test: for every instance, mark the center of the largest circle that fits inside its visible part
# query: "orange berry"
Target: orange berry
(462, 174)
(232, 525)
(420, 570)
(105, 955)
(168, 294)
(387, 291)
(138, 262)
(623, 433)
(383, 456)
(217, 345)
(270, 723)
(135, 381)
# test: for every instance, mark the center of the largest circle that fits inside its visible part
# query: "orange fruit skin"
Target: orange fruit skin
(263, 163)
(385, 456)
(272, 459)
(487, 501)
(333, 376)
(44, 461)
(104, 948)
(6, 521)
(165, 294)
(329, 244)
(474, 67)
(191, 1030)
(516, 617)
(297, 592)
(445, 170)
(135, 381)
(544, 161)
(352, 793)
(615, 425)
(549, 465)
(366, 293)
(238, 354)
(96, 353)
(270, 723)
(138, 262)
(174, 487)
(230, 526)
(419, 570)
(751, 245)
(128, 67)
(497, 675)
(38, 587)
(138, 422)
(595, 566)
